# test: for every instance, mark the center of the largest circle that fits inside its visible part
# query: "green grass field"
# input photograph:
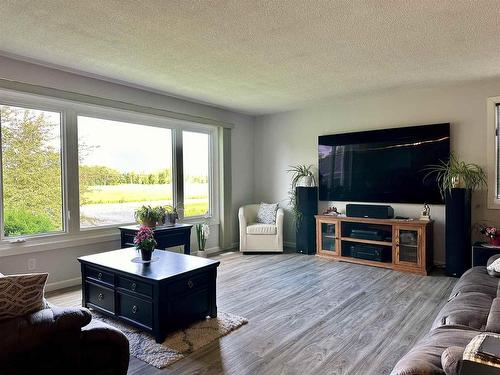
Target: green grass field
(196, 200)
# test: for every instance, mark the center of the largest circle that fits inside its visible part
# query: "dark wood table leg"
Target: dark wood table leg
(187, 246)
(213, 295)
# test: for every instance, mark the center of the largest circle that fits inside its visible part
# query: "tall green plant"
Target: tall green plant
(298, 172)
(455, 173)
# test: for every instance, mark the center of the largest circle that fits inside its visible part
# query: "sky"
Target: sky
(139, 148)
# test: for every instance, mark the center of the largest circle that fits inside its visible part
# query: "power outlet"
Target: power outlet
(31, 264)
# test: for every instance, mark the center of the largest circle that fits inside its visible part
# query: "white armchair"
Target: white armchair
(260, 237)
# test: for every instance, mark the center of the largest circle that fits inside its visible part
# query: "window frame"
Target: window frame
(212, 173)
(69, 111)
(39, 105)
(492, 152)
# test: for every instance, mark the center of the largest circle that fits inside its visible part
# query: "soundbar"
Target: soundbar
(373, 211)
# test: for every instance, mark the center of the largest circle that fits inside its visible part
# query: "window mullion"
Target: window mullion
(178, 171)
(71, 175)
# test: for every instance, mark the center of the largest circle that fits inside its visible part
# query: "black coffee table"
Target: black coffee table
(159, 297)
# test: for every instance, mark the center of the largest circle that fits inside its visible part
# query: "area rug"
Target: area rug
(178, 344)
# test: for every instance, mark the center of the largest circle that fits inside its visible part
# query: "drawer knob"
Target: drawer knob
(134, 309)
(100, 297)
(132, 287)
(99, 276)
(190, 284)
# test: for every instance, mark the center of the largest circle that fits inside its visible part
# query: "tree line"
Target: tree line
(92, 175)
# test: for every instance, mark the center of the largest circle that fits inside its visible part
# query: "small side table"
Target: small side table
(481, 253)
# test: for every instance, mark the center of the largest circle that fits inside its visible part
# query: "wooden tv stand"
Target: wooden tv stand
(406, 244)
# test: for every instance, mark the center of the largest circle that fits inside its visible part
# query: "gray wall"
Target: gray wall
(61, 263)
(291, 137)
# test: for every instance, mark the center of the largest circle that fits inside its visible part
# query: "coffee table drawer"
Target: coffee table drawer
(136, 309)
(101, 297)
(189, 284)
(99, 275)
(135, 286)
(190, 306)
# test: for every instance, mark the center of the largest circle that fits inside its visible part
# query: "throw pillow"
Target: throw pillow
(267, 213)
(494, 268)
(21, 294)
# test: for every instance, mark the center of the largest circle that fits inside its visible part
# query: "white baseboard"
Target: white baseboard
(63, 284)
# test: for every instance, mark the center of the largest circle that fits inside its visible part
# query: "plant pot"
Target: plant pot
(146, 255)
(306, 181)
(495, 241)
(170, 219)
(149, 223)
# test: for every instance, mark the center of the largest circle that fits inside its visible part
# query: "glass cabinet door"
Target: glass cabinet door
(407, 246)
(329, 237)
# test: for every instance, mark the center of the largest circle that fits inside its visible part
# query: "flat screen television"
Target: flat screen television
(382, 165)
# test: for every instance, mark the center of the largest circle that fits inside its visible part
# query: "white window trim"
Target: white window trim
(491, 151)
(72, 234)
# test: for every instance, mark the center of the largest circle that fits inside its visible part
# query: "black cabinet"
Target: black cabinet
(307, 205)
(159, 297)
(482, 252)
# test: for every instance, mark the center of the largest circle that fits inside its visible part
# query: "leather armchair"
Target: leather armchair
(259, 237)
(61, 340)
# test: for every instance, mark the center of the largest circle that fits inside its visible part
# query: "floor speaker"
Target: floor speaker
(458, 231)
(307, 206)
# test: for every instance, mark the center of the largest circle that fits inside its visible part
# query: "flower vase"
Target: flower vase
(495, 241)
(146, 255)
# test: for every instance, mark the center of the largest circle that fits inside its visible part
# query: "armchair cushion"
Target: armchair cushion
(261, 229)
(267, 213)
(21, 294)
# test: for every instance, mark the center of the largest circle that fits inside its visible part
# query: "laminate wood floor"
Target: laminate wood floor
(309, 315)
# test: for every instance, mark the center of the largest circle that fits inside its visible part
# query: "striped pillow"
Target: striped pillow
(21, 294)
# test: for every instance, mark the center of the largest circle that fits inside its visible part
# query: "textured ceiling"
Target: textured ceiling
(259, 56)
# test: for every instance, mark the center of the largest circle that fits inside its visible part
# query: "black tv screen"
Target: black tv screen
(383, 165)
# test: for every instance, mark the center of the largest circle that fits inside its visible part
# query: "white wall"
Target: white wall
(61, 263)
(291, 137)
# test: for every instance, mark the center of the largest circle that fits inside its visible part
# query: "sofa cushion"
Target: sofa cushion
(451, 360)
(493, 322)
(21, 294)
(469, 309)
(261, 229)
(425, 357)
(476, 279)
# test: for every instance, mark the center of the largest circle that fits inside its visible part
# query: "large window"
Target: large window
(122, 166)
(32, 189)
(196, 157)
(69, 167)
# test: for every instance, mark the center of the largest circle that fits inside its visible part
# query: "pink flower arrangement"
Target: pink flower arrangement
(144, 239)
(491, 232)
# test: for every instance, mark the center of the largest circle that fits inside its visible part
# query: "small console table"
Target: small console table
(165, 236)
(404, 245)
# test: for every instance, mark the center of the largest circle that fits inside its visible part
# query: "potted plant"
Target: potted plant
(455, 174)
(202, 233)
(492, 233)
(145, 242)
(148, 216)
(171, 215)
(302, 175)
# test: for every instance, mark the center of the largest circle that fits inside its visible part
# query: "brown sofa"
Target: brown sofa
(61, 341)
(472, 308)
